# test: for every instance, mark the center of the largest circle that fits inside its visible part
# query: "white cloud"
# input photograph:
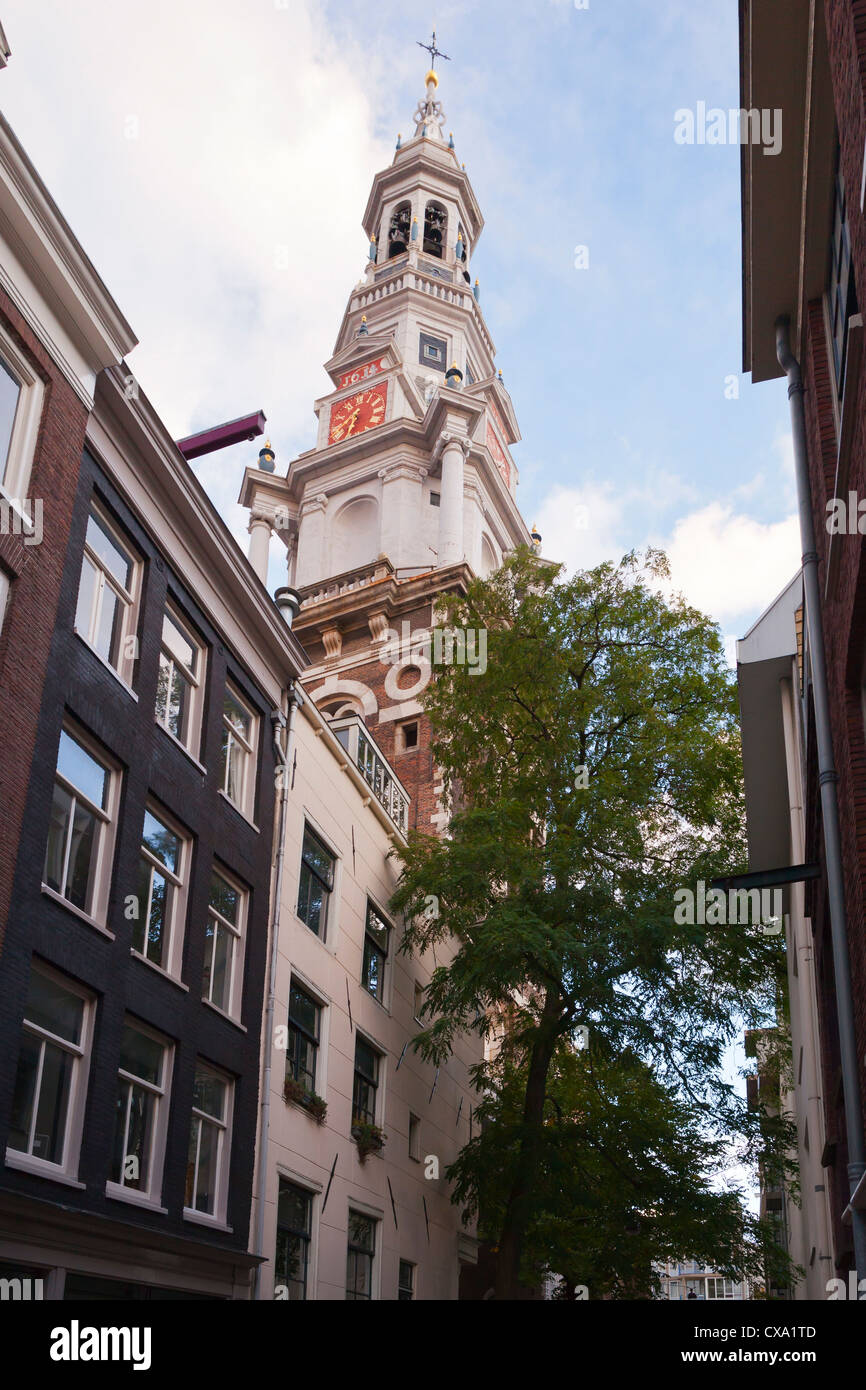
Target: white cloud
(730, 565)
(215, 161)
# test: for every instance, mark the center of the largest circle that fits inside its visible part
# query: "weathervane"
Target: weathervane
(433, 50)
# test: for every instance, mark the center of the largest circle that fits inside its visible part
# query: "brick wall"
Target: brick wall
(36, 572)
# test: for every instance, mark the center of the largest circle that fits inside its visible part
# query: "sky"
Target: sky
(214, 157)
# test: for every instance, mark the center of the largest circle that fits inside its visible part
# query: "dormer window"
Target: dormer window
(398, 233)
(435, 229)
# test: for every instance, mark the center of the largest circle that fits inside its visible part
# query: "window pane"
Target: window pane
(233, 764)
(373, 971)
(205, 1196)
(304, 1010)
(55, 850)
(141, 1055)
(318, 858)
(291, 1265)
(161, 842)
(9, 393)
(209, 1094)
(224, 898)
(217, 964)
(294, 1208)
(377, 928)
(86, 592)
(178, 704)
(237, 716)
(24, 1094)
(81, 872)
(178, 644)
(106, 638)
(54, 1008)
(82, 770)
(366, 1060)
(52, 1104)
(116, 560)
(142, 1110)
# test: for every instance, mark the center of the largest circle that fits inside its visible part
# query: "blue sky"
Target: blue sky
(215, 159)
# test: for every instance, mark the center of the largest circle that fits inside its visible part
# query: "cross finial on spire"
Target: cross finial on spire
(433, 50)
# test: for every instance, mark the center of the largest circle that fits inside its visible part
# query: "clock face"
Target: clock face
(356, 414)
(499, 457)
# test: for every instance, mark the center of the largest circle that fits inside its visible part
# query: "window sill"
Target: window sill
(77, 912)
(107, 664)
(172, 979)
(222, 1013)
(38, 1168)
(115, 1192)
(200, 1218)
(182, 746)
(238, 812)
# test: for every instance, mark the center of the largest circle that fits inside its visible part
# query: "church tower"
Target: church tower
(411, 486)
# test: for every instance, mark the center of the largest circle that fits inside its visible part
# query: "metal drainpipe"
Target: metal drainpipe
(828, 778)
(284, 760)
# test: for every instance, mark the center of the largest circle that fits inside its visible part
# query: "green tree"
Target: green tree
(591, 771)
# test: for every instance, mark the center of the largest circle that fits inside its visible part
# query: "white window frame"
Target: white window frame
(218, 1216)
(172, 955)
(249, 761)
(97, 910)
(238, 932)
(196, 683)
(156, 1157)
(383, 999)
(129, 598)
(15, 477)
(67, 1168)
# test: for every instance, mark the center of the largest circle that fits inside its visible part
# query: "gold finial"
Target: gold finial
(432, 76)
(267, 444)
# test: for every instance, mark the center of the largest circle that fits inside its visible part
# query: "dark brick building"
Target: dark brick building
(141, 666)
(804, 257)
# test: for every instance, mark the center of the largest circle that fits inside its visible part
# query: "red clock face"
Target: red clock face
(356, 414)
(499, 457)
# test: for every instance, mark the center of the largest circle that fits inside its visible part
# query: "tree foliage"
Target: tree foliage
(590, 771)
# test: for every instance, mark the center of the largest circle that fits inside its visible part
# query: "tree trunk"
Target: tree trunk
(519, 1207)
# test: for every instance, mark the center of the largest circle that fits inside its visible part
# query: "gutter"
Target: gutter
(294, 699)
(828, 778)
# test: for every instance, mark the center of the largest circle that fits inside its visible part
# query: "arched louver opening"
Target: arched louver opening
(398, 232)
(435, 229)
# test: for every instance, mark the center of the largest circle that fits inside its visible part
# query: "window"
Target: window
(316, 885)
(406, 1282)
(294, 1226)
(366, 1083)
(51, 1076)
(435, 499)
(414, 1137)
(407, 736)
(418, 1002)
(207, 1156)
(222, 979)
(302, 1053)
(107, 589)
(435, 229)
(720, 1288)
(21, 397)
(238, 765)
(141, 1113)
(375, 954)
(157, 932)
(179, 685)
(842, 291)
(361, 1252)
(399, 230)
(432, 351)
(81, 829)
(10, 391)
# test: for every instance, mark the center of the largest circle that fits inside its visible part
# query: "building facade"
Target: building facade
(804, 259)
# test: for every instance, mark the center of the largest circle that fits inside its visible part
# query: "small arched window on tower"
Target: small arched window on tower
(435, 229)
(398, 232)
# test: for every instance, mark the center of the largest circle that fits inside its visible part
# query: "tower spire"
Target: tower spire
(429, 116)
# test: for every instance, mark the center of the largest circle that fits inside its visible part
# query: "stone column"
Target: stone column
(311, 562)
(454, 451)
(260, 543)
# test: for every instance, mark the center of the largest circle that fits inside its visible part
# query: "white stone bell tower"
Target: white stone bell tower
(412, 462)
